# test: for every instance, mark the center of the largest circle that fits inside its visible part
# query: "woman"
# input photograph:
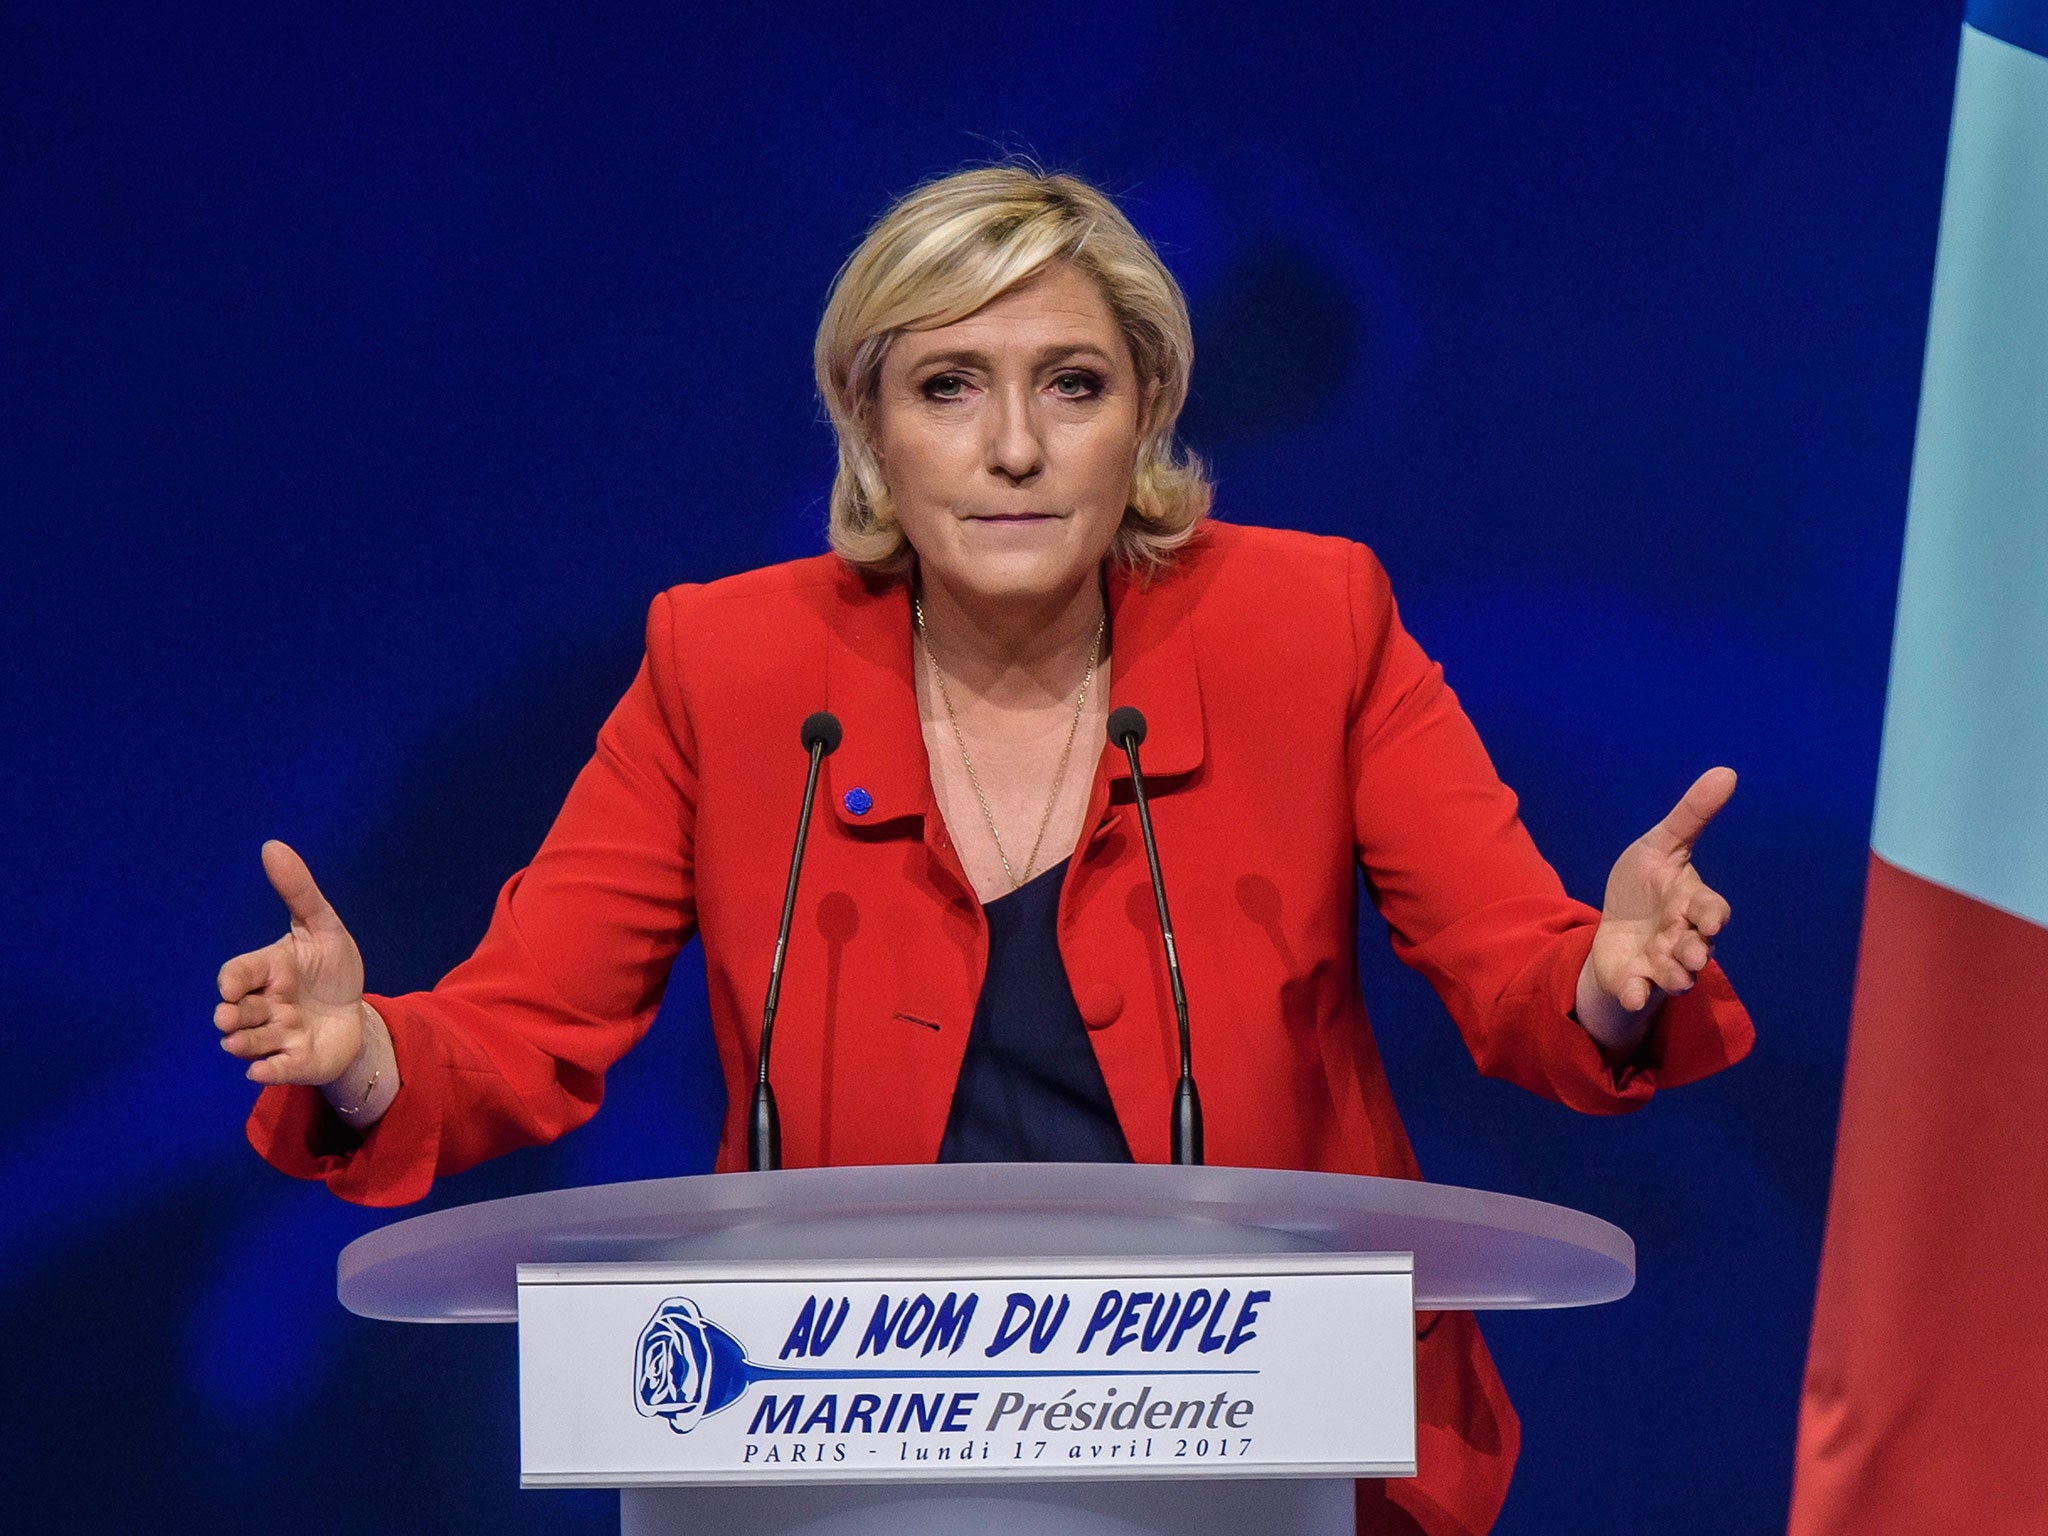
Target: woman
(976, 971)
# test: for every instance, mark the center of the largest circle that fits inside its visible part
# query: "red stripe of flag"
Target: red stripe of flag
(1928, 1368)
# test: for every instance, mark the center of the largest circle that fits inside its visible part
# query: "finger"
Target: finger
(246, 1014)
(1707, 911)
(1634, 995)
(292, 881)
(271, 1071)
(246, 973)
(252, 1044)
(1671, 976)
(1692, 952)
(1696, 807)
(256, 1010)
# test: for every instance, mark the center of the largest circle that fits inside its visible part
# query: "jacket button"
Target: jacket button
(1099, 1004)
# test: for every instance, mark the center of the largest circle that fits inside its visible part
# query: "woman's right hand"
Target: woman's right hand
(294, 1009)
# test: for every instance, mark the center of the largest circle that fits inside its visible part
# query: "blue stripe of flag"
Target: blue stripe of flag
(1962, 797)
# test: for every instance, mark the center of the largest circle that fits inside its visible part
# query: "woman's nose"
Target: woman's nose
(1015, 450)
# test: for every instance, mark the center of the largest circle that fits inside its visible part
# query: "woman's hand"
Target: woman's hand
(294, 1009)
(1658, 924)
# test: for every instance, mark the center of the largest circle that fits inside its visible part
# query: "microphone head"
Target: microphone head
(821, 730)
(1127, 724)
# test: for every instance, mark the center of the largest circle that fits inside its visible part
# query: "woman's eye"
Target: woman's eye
(945, 386)
(1076, 386)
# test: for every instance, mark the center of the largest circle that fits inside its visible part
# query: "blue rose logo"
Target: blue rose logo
(686, 1367)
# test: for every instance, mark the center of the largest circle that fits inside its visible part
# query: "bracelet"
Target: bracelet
(369, 1088)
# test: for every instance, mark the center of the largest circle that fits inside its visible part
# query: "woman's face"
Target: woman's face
(1007, 440)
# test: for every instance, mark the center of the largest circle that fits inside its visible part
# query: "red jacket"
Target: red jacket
(1297, 733)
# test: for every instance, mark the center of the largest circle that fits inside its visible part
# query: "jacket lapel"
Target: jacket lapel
(868, 686)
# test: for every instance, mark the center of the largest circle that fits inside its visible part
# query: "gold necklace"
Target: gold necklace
(1059, 774)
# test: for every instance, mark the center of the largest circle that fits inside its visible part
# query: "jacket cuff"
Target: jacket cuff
(392, 1163)
(1693, 1034)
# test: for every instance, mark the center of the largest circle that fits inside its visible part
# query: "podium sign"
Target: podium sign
(1269, 1365)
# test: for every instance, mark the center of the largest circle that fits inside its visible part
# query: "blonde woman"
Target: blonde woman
(1018, 547)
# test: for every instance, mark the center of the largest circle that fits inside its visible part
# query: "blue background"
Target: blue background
(368, 369)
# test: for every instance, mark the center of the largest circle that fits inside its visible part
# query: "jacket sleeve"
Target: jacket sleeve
(1473, 906)
(512, 1046)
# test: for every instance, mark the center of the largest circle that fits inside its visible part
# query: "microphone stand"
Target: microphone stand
(820, 735)
(1127, 729)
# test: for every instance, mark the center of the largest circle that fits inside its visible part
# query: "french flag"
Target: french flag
(1925, 1406)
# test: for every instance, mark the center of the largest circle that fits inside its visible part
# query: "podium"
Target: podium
(1337, 1250)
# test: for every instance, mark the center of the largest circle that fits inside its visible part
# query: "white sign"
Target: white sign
(1265, 1366)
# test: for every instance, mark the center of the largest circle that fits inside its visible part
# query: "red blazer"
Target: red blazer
(1297, 734)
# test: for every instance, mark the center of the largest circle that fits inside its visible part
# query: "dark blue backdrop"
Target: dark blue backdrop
(367, 370)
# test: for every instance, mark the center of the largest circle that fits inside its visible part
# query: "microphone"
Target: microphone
(820, 735)
(1127, 729)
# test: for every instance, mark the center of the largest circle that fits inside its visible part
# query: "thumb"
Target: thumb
(1635, 994)
(292, 881)
(1696, 807)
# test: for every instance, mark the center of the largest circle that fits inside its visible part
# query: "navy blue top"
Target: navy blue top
(1030, 1089)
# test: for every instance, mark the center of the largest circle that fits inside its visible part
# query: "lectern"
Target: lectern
(1027, 1348)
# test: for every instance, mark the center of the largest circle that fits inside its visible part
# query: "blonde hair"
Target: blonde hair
(956, 244)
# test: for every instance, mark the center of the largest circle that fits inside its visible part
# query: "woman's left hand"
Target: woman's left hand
(1657, 928)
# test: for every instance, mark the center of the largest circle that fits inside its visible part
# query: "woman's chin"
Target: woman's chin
(1010, 577)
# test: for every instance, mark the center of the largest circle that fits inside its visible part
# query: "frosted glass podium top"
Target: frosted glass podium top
(1473, 1250)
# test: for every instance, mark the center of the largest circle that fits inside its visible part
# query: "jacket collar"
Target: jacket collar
(1152, 646)
(869, 686)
